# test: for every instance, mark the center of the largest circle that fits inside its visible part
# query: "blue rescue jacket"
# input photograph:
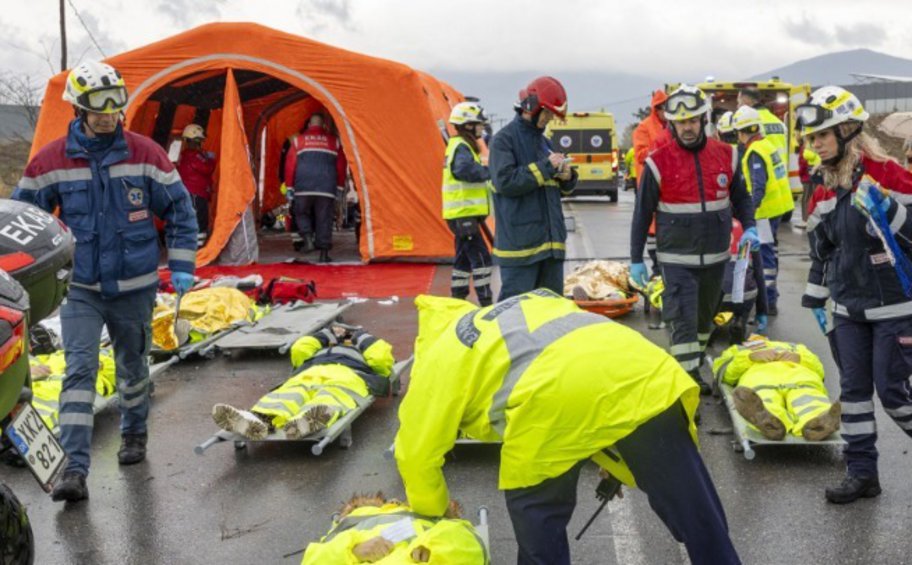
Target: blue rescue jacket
(527, 197)
(107, 200)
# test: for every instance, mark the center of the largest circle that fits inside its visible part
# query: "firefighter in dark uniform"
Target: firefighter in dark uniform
(528, 181)
(872, 316)
(691, 186)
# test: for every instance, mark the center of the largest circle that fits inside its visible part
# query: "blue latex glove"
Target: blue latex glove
(638, 274)
(289, 195)
(762, 323)
(181, 281)
(751, 236)
(820, 314)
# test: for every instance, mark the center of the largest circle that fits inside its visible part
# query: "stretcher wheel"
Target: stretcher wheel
(239, 445)
(345, 441)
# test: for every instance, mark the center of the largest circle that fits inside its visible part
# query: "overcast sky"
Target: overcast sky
(673, 39)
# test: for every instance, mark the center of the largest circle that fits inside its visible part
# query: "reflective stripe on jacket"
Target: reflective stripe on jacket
(777, 194)
(534, 371)
(691, 194)
(774, 130)
(527, 197)
(848, 262)
(315, 164)
(109, 204)
(448, 540)
(463, 198)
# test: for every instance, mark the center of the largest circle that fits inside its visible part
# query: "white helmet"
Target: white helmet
(686, 102)
(724, 125)
(745, 117)
(194, 131)
(827, 107)
(467, 113)
(96, 87)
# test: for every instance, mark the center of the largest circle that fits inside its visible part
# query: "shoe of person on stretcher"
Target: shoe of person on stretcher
(309, 422)
(749, 404)
(238, 421)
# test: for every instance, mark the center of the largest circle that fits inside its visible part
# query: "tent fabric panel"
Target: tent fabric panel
(237, 187)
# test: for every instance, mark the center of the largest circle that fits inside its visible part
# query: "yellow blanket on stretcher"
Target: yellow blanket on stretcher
(202, 313)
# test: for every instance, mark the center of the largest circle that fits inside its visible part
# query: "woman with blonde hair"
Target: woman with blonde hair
(907, 153)
(851, 264)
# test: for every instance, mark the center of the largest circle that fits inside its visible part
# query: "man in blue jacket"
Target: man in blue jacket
(529, 180)
(107, 184)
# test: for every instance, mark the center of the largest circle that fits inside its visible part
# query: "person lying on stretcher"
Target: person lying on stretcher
(779, 388)
(334, 371)
(374, 529)
(47, 372)
(202, 313)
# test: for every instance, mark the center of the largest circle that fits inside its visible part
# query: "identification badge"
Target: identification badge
(138, 215)
(880, 258)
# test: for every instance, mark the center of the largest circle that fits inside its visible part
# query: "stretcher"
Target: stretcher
(339, 430)
(277, 330)
(746, 437)
(103, 402)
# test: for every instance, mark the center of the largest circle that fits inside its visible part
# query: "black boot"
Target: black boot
(132, 449)
(71, 488)
(705, 389)
(852, 488)
(324, 256)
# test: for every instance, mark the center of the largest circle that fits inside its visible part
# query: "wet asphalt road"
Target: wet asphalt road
(263, 504)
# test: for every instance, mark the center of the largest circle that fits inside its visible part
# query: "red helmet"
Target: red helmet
(544, 92)
(737, 232)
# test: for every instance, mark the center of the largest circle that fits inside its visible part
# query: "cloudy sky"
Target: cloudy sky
(673, 38)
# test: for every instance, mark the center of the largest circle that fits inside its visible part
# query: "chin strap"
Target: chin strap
(841, 142)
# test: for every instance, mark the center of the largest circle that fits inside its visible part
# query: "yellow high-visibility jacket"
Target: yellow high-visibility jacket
(450, 541)
(735, 363)
(556, 384)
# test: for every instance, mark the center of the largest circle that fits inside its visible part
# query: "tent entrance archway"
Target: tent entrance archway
(268, 111)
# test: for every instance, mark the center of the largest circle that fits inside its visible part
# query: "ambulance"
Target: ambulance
(589, 139)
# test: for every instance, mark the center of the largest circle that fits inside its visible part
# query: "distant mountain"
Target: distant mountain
(835, 68)
(618, 93)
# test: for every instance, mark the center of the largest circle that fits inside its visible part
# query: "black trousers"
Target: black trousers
(548, 273)
(689, 303)
(667, 467)
(201, 205)
(472, 261)
(314, 215)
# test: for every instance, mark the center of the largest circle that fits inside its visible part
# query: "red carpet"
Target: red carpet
(374, 280)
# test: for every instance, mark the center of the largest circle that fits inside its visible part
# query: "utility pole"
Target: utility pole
(63, 41)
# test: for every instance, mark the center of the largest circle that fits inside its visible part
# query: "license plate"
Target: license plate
(36, 444)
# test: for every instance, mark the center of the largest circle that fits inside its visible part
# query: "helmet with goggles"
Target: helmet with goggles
(466, 113)
(96, 87)
(686, 102)
(828, 107)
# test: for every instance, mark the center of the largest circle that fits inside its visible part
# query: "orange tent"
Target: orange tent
(253, 87)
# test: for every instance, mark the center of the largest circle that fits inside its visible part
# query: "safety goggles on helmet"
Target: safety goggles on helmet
(688, 102)
(811, 115)
(105, 100)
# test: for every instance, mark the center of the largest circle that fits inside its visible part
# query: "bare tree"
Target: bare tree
(19, 89)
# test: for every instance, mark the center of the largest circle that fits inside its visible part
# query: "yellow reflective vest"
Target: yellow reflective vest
(46, 389)
(777, 199)
(735, 364)
(774, 131)
(449, 541)
(463, 199)
(556, 384)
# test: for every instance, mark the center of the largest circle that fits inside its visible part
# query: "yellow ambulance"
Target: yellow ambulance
(590, 140)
